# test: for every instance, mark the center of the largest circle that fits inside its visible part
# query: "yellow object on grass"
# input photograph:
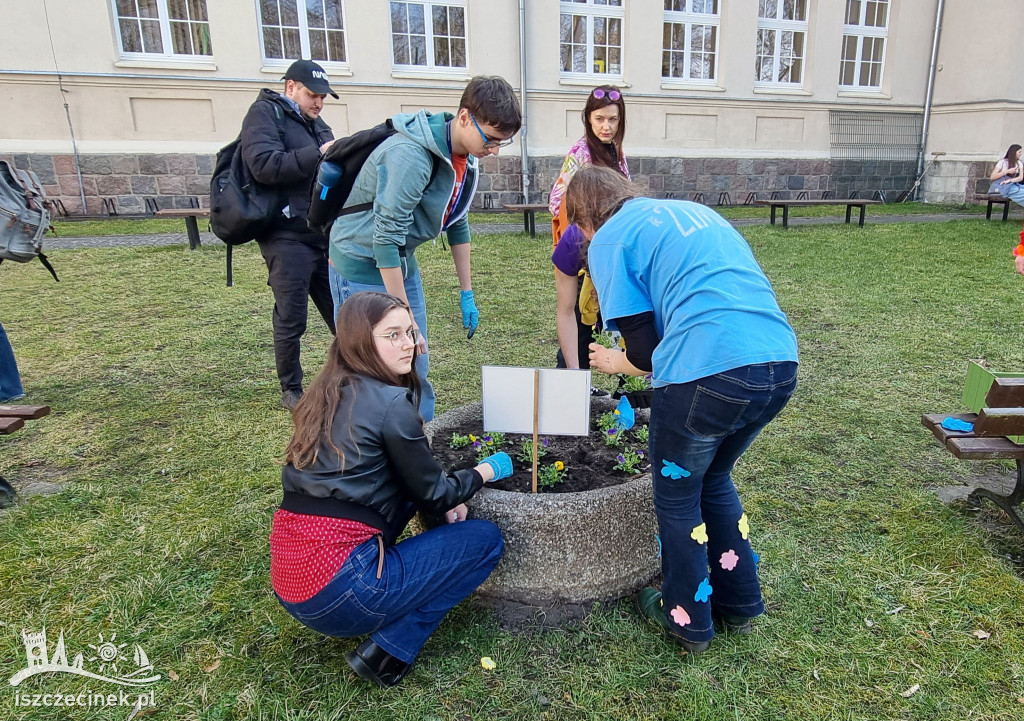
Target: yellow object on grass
(488, 663)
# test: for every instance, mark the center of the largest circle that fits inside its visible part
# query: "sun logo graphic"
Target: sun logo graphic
(107, 652)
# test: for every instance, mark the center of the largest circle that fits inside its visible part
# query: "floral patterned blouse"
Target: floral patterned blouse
(579, 155)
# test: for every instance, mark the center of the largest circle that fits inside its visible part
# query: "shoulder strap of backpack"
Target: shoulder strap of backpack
(360, 207)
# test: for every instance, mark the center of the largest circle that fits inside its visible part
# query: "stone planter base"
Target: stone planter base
(565, 548)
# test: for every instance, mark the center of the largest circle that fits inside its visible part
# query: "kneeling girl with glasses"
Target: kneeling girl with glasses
(357, 468)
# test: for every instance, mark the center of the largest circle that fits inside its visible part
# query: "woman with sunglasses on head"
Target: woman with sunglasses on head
(604, 126)
(357, 468)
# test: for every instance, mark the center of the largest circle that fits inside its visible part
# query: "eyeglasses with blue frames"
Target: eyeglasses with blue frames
(613, 95)
(398, 337)
(489, 142)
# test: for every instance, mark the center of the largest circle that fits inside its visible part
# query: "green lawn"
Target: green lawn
(165, 430)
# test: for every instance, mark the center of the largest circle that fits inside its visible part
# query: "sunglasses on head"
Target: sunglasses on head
(613, 95)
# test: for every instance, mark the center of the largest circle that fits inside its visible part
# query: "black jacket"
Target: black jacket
(389, 471)
(281, 149)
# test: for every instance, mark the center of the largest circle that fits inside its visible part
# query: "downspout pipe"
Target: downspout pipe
(522, 101)
(928, 95)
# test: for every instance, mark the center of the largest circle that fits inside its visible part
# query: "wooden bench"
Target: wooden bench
(529, 211)
(993, 199)
(191, 216)
(1003, 416)
(850, 204)
(12, 418)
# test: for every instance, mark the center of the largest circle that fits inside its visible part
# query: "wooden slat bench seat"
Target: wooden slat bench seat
(993, 199)
(12, 418)
(1003, 416)
(191, 216)
(850, 204)
(529, 211)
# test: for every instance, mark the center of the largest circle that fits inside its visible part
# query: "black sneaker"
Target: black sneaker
(739, 625)
(597, 392)
(373, 663)
(650, 605)
(289, 399)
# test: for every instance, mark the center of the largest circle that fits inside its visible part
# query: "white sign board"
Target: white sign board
(563, 409)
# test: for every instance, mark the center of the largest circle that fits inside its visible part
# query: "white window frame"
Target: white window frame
(689, 18)
(278, 63)
(168, 54)
(430, 69)
(591, 9)
(862, 33)
(780, 25)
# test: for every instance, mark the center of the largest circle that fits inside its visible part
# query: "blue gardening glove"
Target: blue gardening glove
(501, 464)
(470, 315)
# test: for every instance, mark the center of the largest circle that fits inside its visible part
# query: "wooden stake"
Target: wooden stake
(536, 421)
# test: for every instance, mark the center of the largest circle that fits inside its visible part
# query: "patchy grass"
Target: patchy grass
(165, 430)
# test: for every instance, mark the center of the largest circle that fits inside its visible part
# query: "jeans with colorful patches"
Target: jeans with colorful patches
(698, 431)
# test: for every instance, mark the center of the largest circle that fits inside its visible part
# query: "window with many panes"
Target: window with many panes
(428, 35)
(590, 37)
(864, 34)
(781, 42)
(690, 40)
(167, 28)
(313, 29)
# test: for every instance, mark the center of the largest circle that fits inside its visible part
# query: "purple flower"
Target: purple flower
(612, 431)
(620, 459)
(640, 453)
(477, 444)
(545, 442)
(488, 439)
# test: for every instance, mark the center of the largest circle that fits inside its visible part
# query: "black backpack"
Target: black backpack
(240, 207)
(343, 161)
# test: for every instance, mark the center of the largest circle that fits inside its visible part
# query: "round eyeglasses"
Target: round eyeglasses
(613, 95)
(398, 337)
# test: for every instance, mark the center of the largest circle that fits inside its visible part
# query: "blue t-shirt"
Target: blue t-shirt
(714, 309)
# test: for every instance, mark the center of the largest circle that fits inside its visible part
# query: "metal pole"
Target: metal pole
(522, 102)
(928, 94)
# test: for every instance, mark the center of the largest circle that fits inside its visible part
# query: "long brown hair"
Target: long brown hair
(595, 194)
(1010, 153)
(606, 154)
(352, 352)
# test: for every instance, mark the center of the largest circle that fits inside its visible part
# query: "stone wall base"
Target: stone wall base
(135, 184)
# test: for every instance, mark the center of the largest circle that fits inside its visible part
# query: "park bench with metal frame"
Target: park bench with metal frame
(1002, 416)
(12, 418)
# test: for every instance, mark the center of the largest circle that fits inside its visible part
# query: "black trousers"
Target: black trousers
(584, 335)
(297, 272)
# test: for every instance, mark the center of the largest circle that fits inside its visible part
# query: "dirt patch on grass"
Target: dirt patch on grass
(589, 461)
(37, 479)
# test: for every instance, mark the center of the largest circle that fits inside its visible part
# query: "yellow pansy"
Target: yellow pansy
(559, 466)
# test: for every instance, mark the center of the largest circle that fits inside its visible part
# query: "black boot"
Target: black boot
(373, 663)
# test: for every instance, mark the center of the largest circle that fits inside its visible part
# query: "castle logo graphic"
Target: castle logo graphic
(114, 664)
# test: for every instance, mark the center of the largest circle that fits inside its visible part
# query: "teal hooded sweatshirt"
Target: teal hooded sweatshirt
(408, 207)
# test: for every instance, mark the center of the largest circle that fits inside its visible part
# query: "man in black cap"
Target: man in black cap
(283, 138)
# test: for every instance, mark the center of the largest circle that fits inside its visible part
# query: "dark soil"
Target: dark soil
(588, 461)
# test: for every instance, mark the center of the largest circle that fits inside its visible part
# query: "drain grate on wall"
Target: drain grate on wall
(875, 136)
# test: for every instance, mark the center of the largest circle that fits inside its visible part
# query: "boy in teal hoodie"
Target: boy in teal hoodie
(421, 182)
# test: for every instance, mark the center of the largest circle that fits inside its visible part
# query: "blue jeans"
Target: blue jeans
(10, 379)
(342, 288)
(698, 431)
(424, 577)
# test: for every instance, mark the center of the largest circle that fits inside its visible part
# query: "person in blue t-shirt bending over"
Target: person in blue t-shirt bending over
(694, 309)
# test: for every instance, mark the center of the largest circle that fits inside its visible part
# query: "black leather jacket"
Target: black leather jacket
(388, 472)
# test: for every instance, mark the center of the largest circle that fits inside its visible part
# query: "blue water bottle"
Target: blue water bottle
(330, 173)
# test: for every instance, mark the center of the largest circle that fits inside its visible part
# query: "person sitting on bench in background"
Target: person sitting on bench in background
(1007, 174)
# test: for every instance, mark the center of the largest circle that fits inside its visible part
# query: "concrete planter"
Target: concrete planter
(565, 548)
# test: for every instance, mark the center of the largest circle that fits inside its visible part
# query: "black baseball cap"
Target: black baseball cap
(311, 75)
